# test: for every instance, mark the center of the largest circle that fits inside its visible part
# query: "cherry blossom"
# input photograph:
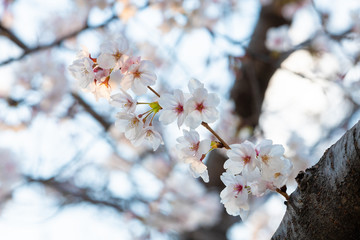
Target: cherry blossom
(191, 146)
(266, 151)
(139, 76)
(201, 107)
(194, 84)
(235, 194)
(130, 124)
(82, 70)
(250, 169)
(113, 53)
(101, 90)
(124, 101)
(149, 135)
(173, 107)
(193, 151)
(197, 168)
(241, 156)
(276, 171)
(130, 61)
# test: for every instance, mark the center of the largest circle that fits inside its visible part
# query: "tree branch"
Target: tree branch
(7, 33)
(57, 42)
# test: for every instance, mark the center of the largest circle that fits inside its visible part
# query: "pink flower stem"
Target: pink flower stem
(215, 134)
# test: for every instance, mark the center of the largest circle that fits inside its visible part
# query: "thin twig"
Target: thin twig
(151, 89)
(215, 134)
(104, 123)
(58, 42)
(9, 34)
(284, 194)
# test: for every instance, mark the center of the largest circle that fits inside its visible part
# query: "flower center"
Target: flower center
(238, 188)
(265, 159)
(117, 55)
(137, 74)
(276, 175)
(149, 133)
(179, 109)
(195, 147)
(247, 159)
(200, 106)
(134, 122)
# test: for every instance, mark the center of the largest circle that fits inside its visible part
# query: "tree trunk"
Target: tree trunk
(326, 204)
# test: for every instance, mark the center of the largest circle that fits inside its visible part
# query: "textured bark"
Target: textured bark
(326, 204)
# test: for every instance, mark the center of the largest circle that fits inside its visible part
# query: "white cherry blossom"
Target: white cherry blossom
(139, 76)
(113, 53)
(277, 171)
(173, 108)
(130, 124)
(241, 156)
(124, 101)
(194, 84)
(191, 146)
(201, 107)
(149, 135)
(235, 194)
(266, 151)
(82, 70)
(192, 151)
(197, 168)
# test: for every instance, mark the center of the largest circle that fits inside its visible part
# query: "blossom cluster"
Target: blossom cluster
(113, 67)
(250, 169)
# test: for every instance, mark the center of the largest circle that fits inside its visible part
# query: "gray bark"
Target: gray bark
(326, 204)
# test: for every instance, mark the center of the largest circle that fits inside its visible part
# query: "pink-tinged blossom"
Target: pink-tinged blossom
(197, 168)
(139, 76)
(278, 39)
(130, 61)
(193, 151)
(241, 157)
(235, 194)
(130, 124)
(149, 135)
(201, 107)
(173, 108)
(116, 76)
(124, 101)
(101, 90)
(113, 53)
(101, 74)
(82, 70)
